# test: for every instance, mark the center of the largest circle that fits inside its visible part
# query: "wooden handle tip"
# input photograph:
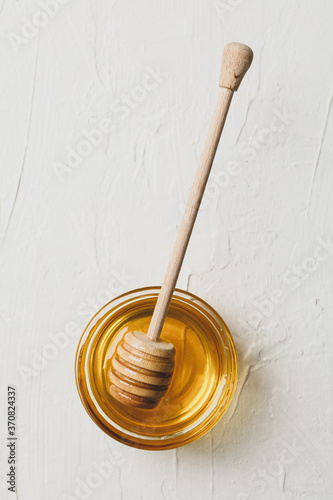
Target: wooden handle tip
(236, 60)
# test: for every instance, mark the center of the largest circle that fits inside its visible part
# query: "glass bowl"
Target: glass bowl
(202, 385)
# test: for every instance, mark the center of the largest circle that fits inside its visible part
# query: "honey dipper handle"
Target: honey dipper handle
(236, 60)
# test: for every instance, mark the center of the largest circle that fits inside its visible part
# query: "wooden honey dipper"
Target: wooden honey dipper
(142, 366)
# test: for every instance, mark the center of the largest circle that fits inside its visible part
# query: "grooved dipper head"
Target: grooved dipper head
(141, 370)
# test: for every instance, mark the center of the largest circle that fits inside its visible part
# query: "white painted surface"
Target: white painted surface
(65, 240)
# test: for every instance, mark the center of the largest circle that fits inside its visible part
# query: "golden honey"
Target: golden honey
(202, 385)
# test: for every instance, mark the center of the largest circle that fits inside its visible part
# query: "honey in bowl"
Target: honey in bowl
(202, 384)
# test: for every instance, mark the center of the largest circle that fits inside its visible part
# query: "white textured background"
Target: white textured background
(261, 253)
